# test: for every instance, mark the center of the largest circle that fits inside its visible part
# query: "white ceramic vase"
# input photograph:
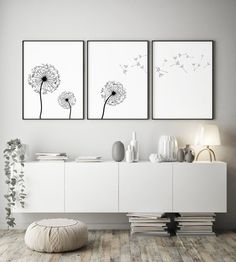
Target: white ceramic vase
(167, 148)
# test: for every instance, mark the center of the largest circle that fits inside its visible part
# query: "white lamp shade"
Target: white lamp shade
(208, 135)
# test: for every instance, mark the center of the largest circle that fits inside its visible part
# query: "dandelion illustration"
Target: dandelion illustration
(124, 68)
(164, 62)
(207, 64)
(177, 63)
(113, 93)
(182, 67)
(67, 100)
(137, 63)
(160, 71)
(184, 61)
(44, 79)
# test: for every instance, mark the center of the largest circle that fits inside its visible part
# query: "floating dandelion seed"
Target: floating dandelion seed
(176, 63)
(67, 100)
(113, 93)
(160, 71)
(207, 64)
(137, 63)
(44, 79)
(164, 62)
(182, 67)
(124, 68)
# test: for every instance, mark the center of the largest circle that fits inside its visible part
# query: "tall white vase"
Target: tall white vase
(135, 146)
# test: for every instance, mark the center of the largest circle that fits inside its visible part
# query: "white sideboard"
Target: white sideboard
(44, 187)
(55, 187)
(145, 187)
(91, 187)
(199, 187)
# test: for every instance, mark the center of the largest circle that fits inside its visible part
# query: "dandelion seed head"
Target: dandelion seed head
(115, 91)
(66, 99)
(45, 76)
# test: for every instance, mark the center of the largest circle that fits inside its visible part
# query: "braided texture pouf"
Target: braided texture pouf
(56, 235)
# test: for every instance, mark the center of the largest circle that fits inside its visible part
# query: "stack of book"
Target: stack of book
(149, 223)
(51, 156)
(88, 159)
(195, 224)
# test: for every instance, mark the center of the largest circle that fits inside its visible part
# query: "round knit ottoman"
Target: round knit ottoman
(56, 235)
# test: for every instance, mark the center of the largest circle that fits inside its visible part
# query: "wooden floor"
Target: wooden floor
(119, 246)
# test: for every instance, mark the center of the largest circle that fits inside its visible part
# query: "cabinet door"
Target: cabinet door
(91, 187)
(145, 187)
(199, 187)
(44, 187)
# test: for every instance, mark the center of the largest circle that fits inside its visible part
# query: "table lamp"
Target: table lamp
(208, 135)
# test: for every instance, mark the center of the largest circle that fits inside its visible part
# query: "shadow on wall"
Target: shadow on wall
(227, 153)
(93, 220)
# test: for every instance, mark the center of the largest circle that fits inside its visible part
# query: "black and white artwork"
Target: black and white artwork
(53, 79)
(117, 79)
(182, 79)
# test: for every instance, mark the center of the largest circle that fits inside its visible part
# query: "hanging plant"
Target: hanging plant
(14, 156)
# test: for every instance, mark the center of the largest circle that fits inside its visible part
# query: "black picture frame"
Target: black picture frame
(213, 80)
(148, 81)
(83, 88)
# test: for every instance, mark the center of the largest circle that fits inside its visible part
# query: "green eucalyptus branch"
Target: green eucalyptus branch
(14, 171)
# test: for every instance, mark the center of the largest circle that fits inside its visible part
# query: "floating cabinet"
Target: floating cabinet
(199, 187)
(44, 187)
(145, 187)
(91, 187)
(109, 187)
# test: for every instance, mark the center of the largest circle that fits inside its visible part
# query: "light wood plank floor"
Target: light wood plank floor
(119, 246)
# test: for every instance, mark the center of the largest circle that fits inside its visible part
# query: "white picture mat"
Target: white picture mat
(104, 60)
(179, 94)
(67, 57)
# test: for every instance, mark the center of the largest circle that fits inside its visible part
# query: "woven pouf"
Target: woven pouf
(56, 235)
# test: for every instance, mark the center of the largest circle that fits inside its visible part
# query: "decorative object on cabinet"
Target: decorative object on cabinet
(56, 156)
(118, 151)
(117, 79)
(153, 158)
(182, 79)
(88, 159)
(135, 147)
(129, 154)
(14, 156)
(180, 155)
(55, 68)
(189, 154)
(56, 235)
(208, 135)
(167, 148)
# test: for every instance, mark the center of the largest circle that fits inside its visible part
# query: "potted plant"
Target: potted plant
(14, 155)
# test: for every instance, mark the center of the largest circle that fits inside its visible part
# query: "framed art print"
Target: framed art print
(53, 79)
(182, 79)
(117, 79)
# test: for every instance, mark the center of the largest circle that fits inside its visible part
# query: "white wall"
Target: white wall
(110, 19)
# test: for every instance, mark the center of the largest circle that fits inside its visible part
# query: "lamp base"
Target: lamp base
(210, 151)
